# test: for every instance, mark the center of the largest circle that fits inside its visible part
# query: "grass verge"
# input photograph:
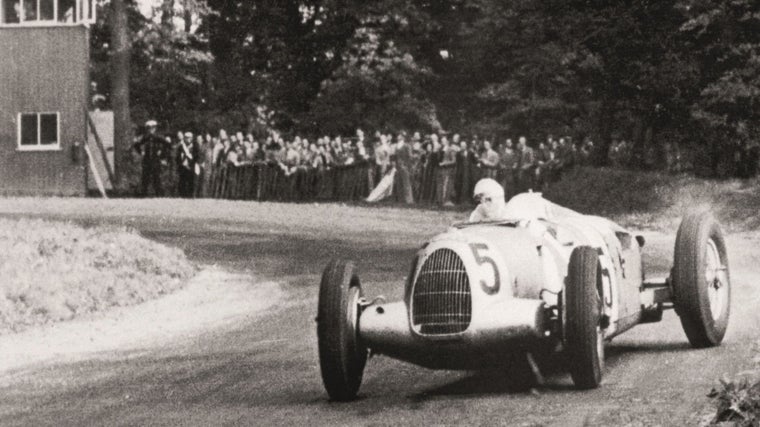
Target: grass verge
(53, 271)
(657, 200)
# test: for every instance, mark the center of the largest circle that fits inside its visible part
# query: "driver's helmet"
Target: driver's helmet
(490, 196)
(487, 187)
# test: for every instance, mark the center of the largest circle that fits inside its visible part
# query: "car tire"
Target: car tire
(342, 356)
(584, 339)
(701, 282)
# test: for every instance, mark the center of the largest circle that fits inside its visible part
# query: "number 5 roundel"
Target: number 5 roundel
(480, 253)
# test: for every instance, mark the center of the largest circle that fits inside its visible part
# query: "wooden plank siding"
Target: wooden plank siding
(44, 69)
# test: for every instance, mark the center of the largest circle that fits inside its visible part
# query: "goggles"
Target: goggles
(483, 198)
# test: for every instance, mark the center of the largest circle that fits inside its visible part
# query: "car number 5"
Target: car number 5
(485, 259)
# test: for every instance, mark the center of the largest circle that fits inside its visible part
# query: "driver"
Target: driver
(490, 197)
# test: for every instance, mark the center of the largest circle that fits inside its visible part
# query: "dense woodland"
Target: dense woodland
(652, 72)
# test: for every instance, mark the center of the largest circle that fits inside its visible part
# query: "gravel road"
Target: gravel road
(245, 353)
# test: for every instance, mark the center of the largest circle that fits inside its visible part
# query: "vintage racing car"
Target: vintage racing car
(546, 280)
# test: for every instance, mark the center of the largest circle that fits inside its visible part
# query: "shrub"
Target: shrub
(738, 402)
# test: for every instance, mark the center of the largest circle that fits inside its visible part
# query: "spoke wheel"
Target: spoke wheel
(701, 282)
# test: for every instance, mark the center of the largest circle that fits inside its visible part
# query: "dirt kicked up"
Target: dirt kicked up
(262, 368)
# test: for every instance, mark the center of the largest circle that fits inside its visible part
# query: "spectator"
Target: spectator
(526, 164)
(154, 151)
(445, 173)
(489, 161)
(382, 158)
(187, 168)
(465, 171)
(508, 168)
(417, 142)
(544, 165)
(403, 162)
(292, 157)
(439, 170)
(205, 154)
(555, 163)
(568, 153)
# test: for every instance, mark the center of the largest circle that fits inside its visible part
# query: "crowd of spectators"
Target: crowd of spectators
(433, 168)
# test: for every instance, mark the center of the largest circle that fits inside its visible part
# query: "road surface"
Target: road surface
(260, 366)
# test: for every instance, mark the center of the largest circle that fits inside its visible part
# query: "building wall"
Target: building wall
(44, 69)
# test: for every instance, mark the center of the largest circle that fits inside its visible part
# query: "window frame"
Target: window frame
(85, 13)
(39, 146)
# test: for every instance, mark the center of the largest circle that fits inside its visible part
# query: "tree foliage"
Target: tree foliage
(656, 72)
(169, 66)
(725, 37)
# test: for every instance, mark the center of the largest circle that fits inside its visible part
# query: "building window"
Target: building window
(11, 12)
(38, 131)
(46, 12)
(66, 11)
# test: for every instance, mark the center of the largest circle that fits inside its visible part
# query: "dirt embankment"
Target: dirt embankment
(55, 271)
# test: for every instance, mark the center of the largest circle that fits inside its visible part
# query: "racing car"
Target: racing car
(545, 280)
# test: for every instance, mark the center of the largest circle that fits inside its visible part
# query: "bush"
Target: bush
(55, 271)
(738, 403)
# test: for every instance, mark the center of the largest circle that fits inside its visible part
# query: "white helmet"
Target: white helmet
(488, 187)
(490, 197)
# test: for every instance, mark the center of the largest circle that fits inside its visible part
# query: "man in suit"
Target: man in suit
(187, 166)
(154, 151)
(507, 168)
(526, 164)
(403, 161)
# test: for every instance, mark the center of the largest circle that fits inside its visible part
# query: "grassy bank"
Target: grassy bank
(658, 200)
(54, 271)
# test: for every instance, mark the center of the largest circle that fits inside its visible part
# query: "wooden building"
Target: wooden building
(44, 96)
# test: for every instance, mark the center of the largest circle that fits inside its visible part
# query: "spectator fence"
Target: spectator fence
(267, 181)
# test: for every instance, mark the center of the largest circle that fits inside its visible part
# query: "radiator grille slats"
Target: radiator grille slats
(441, 302)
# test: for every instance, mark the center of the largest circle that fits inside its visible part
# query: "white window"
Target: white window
(46, 12)
(39, 131)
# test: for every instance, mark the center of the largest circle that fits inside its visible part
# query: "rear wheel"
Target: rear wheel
(701, 283)
(584, 338)
(342, 356)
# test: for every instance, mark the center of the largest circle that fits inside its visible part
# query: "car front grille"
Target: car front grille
(441, 300)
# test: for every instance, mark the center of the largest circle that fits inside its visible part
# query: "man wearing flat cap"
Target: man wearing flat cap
(153, 149)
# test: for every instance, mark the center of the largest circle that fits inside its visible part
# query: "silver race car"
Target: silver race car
(546, 280)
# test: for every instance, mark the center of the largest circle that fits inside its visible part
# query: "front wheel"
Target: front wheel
(701, 283)
(342, 356)
(584, 338)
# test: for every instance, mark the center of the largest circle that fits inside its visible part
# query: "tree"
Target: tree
(378, 86)
(167, 67)
(120, 74)
(724, 37)
(275, 55)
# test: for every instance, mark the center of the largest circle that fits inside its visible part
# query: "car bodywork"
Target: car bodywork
(543, 279)
(479, 289)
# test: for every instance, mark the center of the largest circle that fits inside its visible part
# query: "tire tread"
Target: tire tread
(341, 371)
(690, 296)
(582, 319)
